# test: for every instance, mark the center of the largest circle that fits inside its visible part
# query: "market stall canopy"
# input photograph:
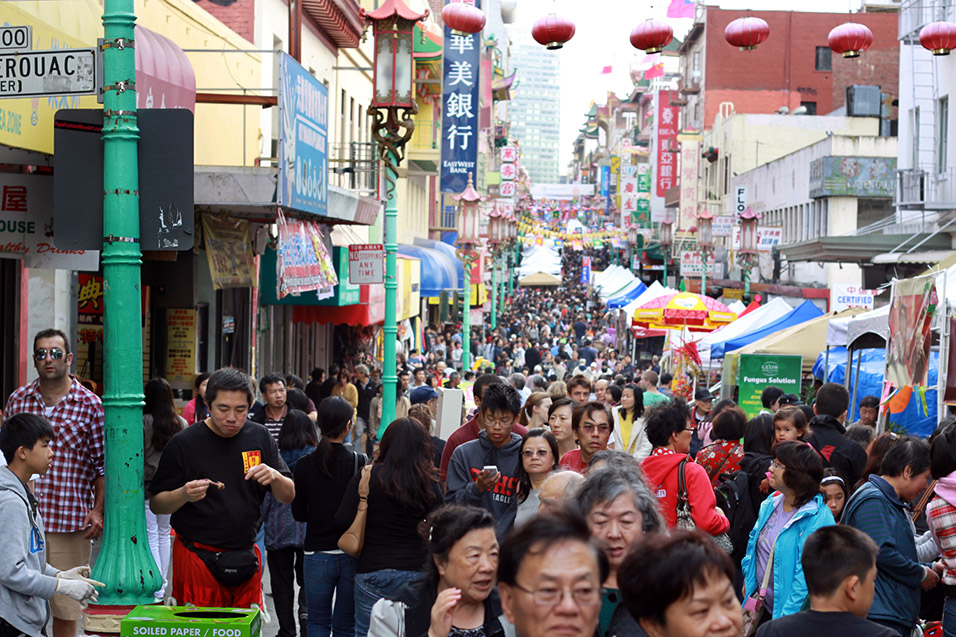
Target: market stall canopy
(655, 290)
(684, 309)
(800, 314)
(622, 298)
(539, 279)
(806, 339)
(875, 322)
(755, 320)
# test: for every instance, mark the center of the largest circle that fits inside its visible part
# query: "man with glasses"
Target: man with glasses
(71, 493)
(592, 426)
(483, 472)
(549, 576)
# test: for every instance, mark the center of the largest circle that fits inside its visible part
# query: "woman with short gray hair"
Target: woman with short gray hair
(620, 510)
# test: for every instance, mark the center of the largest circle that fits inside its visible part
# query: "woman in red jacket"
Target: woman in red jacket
(669, 429)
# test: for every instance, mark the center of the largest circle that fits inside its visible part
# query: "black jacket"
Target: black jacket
(847, 457)
(419, 599)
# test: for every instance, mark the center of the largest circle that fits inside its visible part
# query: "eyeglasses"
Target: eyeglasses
(552, 595)
(589, 429)
(508, 422)
(541, 453)
(55, 353)
(775, 464)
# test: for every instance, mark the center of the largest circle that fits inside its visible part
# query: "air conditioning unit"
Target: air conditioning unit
(863, 101)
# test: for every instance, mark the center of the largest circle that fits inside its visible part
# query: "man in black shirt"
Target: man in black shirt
(212, 478)
(839, 565)
(366, 392)
(272, 414)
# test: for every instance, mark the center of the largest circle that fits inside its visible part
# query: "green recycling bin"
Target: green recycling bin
(189, 621)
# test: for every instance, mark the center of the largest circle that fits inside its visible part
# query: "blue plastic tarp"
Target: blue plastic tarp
(438, 270)
(916, 419)
(622, 300)
(800, 314)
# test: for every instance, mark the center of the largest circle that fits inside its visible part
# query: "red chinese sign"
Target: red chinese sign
(666, 142)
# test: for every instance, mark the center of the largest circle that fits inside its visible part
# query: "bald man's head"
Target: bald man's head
(558, 490)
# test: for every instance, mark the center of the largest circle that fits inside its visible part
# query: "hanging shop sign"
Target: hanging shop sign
(303, 139)
(689, 161)
(181, 344)
(367, 263)
(666, 142)
(757, 371)
(585, 269)
(768, 237)
(853, 177)
(509, 153)
(229, 251)
(461, 61)
(26, 225)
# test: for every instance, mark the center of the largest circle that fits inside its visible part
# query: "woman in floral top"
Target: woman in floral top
(941, 515)
(724, 456)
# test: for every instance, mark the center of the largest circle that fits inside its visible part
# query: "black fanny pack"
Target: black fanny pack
(230, 568)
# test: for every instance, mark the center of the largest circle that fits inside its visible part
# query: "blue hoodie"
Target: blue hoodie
(789, 586)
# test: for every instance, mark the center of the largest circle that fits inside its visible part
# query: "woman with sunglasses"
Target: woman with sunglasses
(539, 457)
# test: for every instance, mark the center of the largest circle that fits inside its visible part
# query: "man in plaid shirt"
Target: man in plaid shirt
(71, 493)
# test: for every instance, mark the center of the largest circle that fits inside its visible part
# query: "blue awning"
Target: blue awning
(636, 289)
(801, 314)
(448, 250)
(438, 270)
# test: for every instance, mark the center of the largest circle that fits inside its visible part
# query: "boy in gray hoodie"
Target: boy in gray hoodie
(26, 581)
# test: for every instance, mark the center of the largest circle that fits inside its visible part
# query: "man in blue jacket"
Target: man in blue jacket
(877, 508)
(469, 482)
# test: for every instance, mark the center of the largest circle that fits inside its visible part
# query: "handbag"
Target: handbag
(753, 607)
(353, 539)
(684, 518)
(231, 567)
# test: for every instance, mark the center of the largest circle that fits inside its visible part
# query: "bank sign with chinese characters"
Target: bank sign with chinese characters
(459, 127)
(303, 139)
(26, 225)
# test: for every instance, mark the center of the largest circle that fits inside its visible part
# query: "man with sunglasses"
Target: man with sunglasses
(71, 493)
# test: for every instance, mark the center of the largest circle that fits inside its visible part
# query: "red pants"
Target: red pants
(194, 584)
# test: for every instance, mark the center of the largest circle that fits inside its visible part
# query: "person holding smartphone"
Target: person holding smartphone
(484, 472)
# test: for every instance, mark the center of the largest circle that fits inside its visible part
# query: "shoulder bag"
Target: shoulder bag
(353, 539)
(753, 607)
(685, 519)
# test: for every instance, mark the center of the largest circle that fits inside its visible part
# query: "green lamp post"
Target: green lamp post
(469, 221)
(125, 564)
(495, 219)
(393, 107)
(747, 256)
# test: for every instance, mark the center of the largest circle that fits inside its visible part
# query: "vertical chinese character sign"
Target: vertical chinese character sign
(666, 142)
(689, 160)
(459, 129)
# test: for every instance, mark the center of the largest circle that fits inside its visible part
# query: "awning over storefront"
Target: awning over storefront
(164, 76)
(438, 270)
(862, 248)
(249, 191)
(370, 310)
(448, 250)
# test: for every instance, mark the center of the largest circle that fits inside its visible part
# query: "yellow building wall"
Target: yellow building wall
(412, 208)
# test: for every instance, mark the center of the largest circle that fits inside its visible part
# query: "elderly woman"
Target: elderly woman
(681, 586)
(457, 596)
(620, 510)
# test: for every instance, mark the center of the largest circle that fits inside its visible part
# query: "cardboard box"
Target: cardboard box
(188, 621)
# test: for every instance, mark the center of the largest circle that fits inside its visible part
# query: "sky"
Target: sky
(602, 31)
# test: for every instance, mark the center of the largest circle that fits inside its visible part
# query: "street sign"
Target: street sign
(42, 73)
(366, 263)
(16, 38)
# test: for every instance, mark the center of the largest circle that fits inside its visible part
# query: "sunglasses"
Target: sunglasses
(55, 353)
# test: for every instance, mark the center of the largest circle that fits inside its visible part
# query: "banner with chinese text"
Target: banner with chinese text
(666, 142)
(461, 59)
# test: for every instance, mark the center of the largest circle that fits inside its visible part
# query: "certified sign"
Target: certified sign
(16, 38)
(366, 263)
(39, 73)
(843, 297)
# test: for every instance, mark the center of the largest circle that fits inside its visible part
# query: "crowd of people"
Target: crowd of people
(579, 496)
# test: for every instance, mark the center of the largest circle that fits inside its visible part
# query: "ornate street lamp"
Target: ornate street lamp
(495, 230)
(469, 221)
(393, 106)
(666, 240)
(705, 244)
(747, 256)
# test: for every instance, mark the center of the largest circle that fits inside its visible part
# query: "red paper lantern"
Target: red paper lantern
(463, 18)
(938, 37)
(850, 39)
(552, 31)
(651, 36)
(747, 32)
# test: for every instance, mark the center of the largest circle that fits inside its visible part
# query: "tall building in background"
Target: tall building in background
(535, 110)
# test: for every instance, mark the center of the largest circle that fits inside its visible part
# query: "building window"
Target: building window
(942, 134)
(810, 106)
(824, 58)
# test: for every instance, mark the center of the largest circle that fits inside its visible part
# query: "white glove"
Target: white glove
(78, 590)
(79, 573)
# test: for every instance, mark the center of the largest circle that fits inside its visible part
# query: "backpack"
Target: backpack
(733, 498)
